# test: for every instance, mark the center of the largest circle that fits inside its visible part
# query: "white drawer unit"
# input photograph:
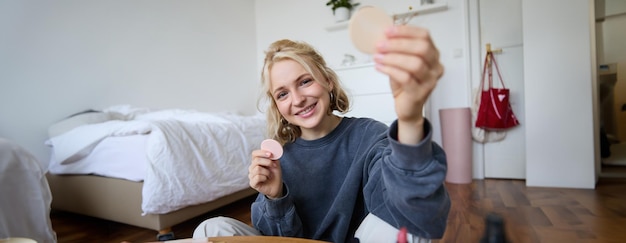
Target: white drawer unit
(369, 92)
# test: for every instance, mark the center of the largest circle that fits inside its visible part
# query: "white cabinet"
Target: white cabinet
(369, 92)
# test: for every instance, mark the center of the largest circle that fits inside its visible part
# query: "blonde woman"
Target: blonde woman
(345, 178)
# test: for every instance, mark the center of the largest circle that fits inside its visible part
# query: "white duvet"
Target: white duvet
(193, 157)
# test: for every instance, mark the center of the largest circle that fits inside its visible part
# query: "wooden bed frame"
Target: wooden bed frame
(120, 200)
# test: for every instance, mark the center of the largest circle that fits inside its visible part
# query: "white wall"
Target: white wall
(61, 57)
(559, 92)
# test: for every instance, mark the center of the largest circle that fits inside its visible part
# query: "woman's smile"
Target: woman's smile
(307, 112)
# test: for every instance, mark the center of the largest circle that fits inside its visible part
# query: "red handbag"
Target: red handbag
(494, 112)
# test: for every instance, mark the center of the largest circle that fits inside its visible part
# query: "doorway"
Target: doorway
(611, 59)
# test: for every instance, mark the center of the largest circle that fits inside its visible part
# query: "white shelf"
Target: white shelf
(426, 9)
(338, 26)
(353, 66)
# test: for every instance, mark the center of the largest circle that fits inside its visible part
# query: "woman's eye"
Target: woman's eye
(306, 81)
(281, 95)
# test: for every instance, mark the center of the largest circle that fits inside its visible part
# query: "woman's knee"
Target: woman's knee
(223, 226)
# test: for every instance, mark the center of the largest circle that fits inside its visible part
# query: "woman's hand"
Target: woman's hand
(410, 58)
(265, 174)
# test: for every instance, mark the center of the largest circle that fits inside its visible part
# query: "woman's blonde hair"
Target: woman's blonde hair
(277, 127)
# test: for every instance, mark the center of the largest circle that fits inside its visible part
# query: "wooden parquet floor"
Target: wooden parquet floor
(531, 214)
(535, 214)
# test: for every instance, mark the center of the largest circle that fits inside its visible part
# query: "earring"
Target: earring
(331, 106)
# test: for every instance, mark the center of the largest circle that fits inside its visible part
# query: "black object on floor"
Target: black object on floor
(166, 236)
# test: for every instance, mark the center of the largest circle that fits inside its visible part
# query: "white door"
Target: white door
(500, 24)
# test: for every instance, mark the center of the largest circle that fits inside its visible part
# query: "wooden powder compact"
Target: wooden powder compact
(367, 27)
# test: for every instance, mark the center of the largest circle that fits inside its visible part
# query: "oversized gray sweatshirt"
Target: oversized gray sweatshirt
(332, 183)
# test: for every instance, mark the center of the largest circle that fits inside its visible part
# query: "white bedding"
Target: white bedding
(122, 157)
(193, 157)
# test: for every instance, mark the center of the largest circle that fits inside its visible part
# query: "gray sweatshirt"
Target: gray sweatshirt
(332, 183)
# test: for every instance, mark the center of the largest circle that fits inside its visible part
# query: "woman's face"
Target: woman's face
(300, 99)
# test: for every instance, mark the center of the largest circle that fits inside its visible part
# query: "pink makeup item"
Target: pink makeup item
(274, 147)
(367, 27)
(402, 235)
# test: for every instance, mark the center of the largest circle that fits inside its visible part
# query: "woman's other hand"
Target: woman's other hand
(265, 174)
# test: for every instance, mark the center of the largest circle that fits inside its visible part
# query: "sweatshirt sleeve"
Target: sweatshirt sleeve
(405, 185)
(276, 217)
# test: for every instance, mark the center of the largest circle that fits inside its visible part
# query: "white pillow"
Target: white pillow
(85, 118)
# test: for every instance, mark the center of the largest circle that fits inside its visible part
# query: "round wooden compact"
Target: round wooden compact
(367, 27)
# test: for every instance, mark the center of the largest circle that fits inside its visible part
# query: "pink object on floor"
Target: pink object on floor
(456, 136)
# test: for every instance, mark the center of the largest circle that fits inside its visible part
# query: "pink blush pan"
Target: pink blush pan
(273, 147)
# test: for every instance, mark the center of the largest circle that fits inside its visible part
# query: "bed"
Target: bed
(150, 168)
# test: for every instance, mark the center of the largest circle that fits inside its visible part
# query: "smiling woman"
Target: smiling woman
(301, 100)
(302, 74)
(345, 178)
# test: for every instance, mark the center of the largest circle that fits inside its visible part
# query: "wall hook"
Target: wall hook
(499, 50)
